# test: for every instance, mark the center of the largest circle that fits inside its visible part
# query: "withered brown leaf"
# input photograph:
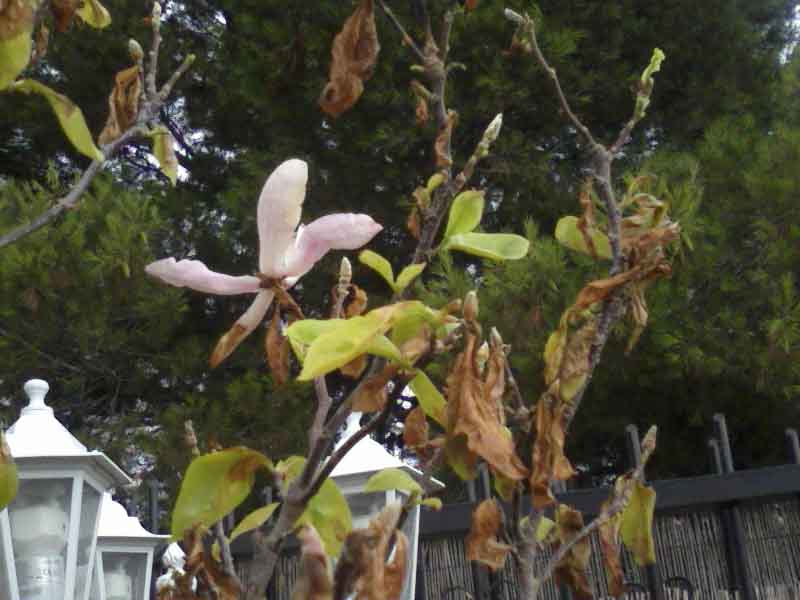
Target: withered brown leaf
(370, 396)
(482, 543)
(277, 349)
(415, 432)
(474, 411)
(609, 533)
(16, 16)
(441, 147)
(63, 13)
(355, 52)
(123, 104)
(314, 582)
(572, 570)
(549, 461)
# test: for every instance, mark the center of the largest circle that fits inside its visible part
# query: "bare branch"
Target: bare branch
(225, 553)
(166, 89)
(152, 67)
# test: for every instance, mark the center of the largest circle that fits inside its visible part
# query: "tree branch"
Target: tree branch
(152, 67)
(407, 39)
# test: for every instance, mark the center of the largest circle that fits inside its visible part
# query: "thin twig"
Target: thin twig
(225, 553)
(166, 89)
(407, 39)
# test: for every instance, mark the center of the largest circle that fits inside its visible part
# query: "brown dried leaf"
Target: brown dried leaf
(355, 367)
(371, 394)
(549, 461)
(421, 112)
(277, 349)
(441, 147)
(473, 412)
(413, 223)
(416, 432)
(356, 302)
(362, 567)
(314, 582)
(123, 104)
(482, 543)
(355, 52)
(42, 41)
(573, 567)
(63, 13)
(16, 16)
(609, 533)
(227, 344)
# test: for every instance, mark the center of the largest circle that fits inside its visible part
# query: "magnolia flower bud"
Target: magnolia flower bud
(135, 50)
(493, 130)
(513, 16)
(345, 272)
(497, 340)
(649, 441)
(470, 310)
(156, 11)
(482, 355)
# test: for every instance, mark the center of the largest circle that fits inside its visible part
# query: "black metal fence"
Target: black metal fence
(728, 535)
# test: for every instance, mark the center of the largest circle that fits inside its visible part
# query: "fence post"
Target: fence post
(794, 445)
(634, 451)
(737, 537)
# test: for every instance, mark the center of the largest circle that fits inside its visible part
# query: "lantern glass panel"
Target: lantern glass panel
(364, 506)
(124, 574)
(90, 508)
(39, 518)
(97, 581)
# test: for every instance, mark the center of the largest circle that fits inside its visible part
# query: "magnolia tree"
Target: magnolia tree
(476, 415)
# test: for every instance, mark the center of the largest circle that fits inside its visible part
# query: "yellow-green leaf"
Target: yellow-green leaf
(465, 213)
(392, 479)
(568, 234)
(383, 346)
(164, 151)
(430, 399)
(15, 54)
(254, 520)
(69, 116)
(408, 275)
(434, 181)
(637, 524)
(327, 511)
(9, 478)
(302, 334)
(94, 14)
(544, 530)
(378, 264)
(213, 486)
(494, 246)
(434, 503)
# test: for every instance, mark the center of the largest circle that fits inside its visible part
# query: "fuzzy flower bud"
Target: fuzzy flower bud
(513, 16)
(482, 355)
(470, 310)
(493, 130)
(345, 272)
(135, 50)
(156, 13)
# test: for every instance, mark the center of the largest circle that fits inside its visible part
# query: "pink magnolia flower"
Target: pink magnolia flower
(286, 252)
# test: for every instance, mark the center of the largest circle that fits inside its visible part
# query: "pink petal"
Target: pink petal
(279, 209)
(242, 328)
(195, 275)
(331, 232)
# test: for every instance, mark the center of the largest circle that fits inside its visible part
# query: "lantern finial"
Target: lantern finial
(36, 390)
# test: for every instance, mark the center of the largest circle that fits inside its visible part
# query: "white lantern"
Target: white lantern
(48, 533)
(124, 555)
(363, 460)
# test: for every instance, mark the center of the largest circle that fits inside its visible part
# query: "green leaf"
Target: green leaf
(378, 264)
(164, 152)
(655, 65)
(15, 54)
(94, 14)
(69, 115)
(347, 341)
(392, 479)
(302, 334)
(434, 181)
(434, 503)
(545, 528)
(254, 520)
(408, 275)
(494, 246)
(213, 486)
(383, 346)
(465, 213)
(327, 511)
(430, 399)
(9, 478)
(568, 234)
(637, 524)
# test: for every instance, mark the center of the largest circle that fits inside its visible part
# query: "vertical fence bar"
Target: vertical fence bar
(634, 450)
(793, 445)
(737, 537)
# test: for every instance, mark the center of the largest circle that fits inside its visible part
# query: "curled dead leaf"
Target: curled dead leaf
(441, 148)
(412, 223)
(356, 302)
(42, 42)
(314, 582)
(277, 349)
(549, 461)
(355, 52)
(609, 533)
(421, 112)
(482, 542)
(572, 570)
(355, 367)
(475, 414)
(123, 104)
(415, 432)
(63, 13)
(371, 394)
(16, 16)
